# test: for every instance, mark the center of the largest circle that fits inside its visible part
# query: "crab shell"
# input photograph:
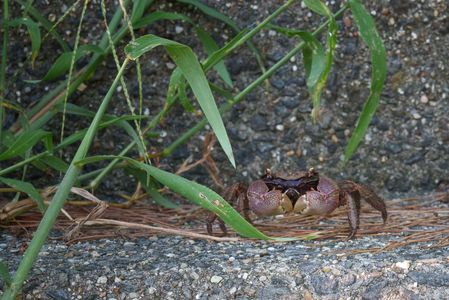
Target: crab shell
(323, 201)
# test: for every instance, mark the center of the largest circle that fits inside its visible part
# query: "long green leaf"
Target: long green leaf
(26, 188)
(139, 8)
(197, 193)
(160, 15)
(318, 76)
(62, 63)
(188, 63)
(370, 36)
(151, 188)
(211, 46)
(5, 273)
(23, 143)
(33, 31)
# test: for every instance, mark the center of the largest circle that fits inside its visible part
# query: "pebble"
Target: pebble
(216, 279)
(102, 280)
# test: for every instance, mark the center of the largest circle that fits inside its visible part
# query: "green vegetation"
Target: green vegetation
(27, 142)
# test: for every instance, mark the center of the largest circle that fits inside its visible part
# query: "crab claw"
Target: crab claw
(320, 202)
(264, 202)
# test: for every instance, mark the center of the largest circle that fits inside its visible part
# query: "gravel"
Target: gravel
(179, 268)
(404, 153)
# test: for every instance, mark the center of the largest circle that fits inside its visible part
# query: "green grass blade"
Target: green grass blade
(139, 8)
(55, 163)
(160, 15)
(60, 196)
(317, 6)
(150, 188)
(32, 11)
(211, 46)
(318, 81)
(33, 31)
(26, 188)
(188, 63)
(225, 50)
(196, 193)
(5, 273)
(62, 63)
(370, 36)
(213, 13)
(23, 143)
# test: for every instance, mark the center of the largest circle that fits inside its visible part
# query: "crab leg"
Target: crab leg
(353, 202)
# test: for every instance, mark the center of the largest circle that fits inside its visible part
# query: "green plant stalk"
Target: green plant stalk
(105, 171)
(60, 196)
(207, 66)
(229, 104)
(89, 70)
(45, 23)
(252, 32)
(3, 64)
(22, 163)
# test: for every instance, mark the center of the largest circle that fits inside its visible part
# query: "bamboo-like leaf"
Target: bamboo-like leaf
(211, 46)
(225, 50)
(5, 273)
(139, 8)
(370, 36)
(317, 6)
(26, 188)
(55, 163)
(62, 63)
(150, 188)
(160, 15)
(318, 80)
(196, 193)
(23, 143)
(188, 63)
(33, 31)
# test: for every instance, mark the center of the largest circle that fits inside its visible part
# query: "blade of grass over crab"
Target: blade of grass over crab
(60, 196)
(33, 31)
(150, 188)
(315, 88)
(26, 188)
(195, 192)
(23, 143)
(188, 63)
(62, 63)
(211, 46)
(198, 194)
(370, 36)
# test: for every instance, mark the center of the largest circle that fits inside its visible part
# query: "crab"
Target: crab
(306, 194)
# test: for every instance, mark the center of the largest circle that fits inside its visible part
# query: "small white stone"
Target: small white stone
(233, 290)
(216, 279)
(263, 278)
(424, 99)
(279, 127)
(416, 115)
(102, 280)
(245, 276)
(405, 265)
(295, 68)
(179, 29)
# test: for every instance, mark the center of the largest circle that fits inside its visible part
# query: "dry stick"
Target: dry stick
(161, 229)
